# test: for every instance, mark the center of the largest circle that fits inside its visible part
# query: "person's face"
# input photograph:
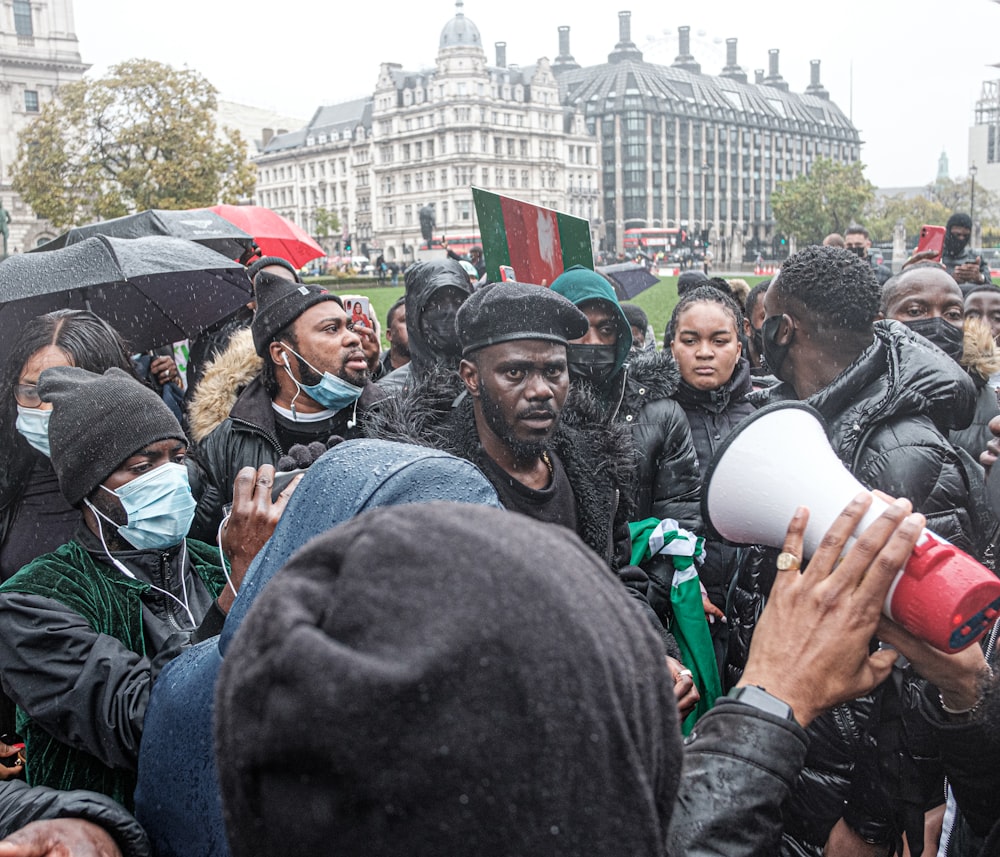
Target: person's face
(475, 256)
(706, 347)
(26, 391)
(927, 293)
(437, 319)
(326, 340)
(397, 334)
(139, 463)
(985, 306)
(857, 243)
(603, 320)
(520, 388)
(638, 338)
(961, 234)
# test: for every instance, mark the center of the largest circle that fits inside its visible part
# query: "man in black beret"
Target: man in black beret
(88, 626)
(314, 383)
(549, 453)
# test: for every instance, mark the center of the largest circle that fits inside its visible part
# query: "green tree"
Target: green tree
(885, 212)
(828, 199)
(957, 196)
(327, 222)
(142, 137)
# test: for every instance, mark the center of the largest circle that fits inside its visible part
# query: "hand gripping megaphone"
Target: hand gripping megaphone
(778, 459)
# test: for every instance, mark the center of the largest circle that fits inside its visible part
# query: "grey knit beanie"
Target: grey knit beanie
(97, 422)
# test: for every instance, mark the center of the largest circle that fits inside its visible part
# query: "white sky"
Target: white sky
(918, 65)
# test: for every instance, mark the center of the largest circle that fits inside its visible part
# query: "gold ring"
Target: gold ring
(788, 562)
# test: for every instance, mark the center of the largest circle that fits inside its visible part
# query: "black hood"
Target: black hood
(422, 280)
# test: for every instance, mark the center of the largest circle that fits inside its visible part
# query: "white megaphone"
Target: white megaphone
(778, 459)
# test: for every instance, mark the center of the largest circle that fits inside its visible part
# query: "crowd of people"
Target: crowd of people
(438, 599)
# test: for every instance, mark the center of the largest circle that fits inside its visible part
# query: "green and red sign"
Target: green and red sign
(538, 243)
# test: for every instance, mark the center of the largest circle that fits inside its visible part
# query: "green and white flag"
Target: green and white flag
(689, 626)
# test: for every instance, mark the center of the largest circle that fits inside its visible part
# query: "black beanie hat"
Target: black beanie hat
(279, 303)
(268, 261)
(504, 312)
(97, 422)
(690, 280)
(441, 678)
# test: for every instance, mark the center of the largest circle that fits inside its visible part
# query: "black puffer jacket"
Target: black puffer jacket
(668, 482)
(712, 415)
(887, 415)
(21, 804)
(249, 437)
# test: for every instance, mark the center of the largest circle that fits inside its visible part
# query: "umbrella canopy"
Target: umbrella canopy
(628, 279)
(202, 226)
(152, 290)
(275, 235)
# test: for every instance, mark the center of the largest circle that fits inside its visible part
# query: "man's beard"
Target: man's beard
(310, 377)
(522, 450)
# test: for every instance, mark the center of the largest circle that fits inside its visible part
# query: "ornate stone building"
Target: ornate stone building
(624, 144)
(424, 139)
(38, 52)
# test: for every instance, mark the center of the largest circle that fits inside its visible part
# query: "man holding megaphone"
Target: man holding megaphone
(888, 400)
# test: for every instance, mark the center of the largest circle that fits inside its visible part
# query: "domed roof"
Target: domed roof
(460, 31)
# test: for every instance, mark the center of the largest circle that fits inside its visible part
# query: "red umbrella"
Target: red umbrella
(275, 235)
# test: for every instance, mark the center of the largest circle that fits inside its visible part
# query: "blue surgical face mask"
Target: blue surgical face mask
(159, 505)
(331, 392)
(33, 424)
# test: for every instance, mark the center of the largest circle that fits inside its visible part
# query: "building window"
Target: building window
(22, 18)
(30, 101)
(464, 210)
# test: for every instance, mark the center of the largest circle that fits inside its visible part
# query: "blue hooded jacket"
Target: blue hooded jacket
(177, 797)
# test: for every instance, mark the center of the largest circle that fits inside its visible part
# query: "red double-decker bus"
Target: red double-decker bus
(652, 241)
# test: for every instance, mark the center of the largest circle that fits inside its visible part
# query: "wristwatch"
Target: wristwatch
(757, 697)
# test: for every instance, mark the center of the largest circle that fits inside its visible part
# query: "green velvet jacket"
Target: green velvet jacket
(111, 604)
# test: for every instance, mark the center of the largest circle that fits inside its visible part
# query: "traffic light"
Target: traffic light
(784, 241)
(347, 245)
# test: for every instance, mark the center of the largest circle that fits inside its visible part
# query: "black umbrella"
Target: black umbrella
(201, 226)
(628, 279)
(152, 290)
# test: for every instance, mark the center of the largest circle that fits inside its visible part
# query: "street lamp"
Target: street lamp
(972, 196)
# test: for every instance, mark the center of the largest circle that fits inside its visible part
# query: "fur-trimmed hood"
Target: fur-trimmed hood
(596, 452)
(656, 371)
(223, 381)
(980, 355)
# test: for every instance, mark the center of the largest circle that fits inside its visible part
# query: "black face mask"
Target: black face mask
(954, 246)
(593, 363)
(773, 354)
(438, 328)
(860, 251)
(950, 338)
(757, 338)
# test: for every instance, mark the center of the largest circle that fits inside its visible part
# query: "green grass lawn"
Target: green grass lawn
(658, 301)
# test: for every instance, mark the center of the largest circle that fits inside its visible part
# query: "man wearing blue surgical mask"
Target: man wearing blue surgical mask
(88, 626)
(314, 383)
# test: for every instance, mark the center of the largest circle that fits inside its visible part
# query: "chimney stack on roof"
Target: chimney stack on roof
(815, 87)
(684, 58)
(501, 48)
(732, 69)
(625, 49)
(565, 59)
(774, 77)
